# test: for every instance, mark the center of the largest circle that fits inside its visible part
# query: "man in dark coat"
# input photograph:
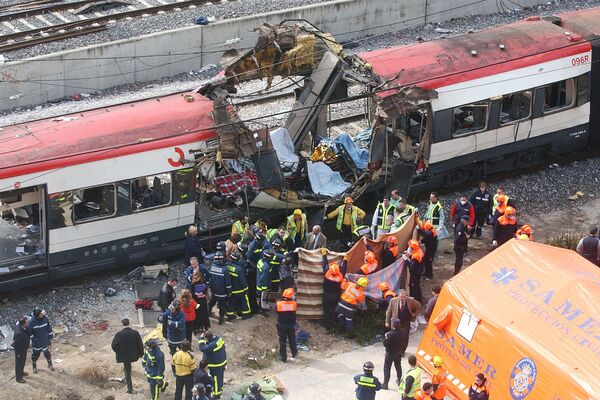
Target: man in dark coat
(165, 298)
(395, 342)
(128, 347)
(461, 240)
(21, 343)
(40, 332)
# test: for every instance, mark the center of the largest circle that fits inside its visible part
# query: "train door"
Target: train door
(23, 231)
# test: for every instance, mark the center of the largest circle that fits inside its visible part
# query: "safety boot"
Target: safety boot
(35, 370)
(221, 320)
(50, 366)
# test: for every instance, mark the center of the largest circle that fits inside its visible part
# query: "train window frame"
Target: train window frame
(131, 191)
(570, 82)
(516, 121)
(463, 133)
(84, 221)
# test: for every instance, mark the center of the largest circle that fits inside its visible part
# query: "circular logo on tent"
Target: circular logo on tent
(522, 378)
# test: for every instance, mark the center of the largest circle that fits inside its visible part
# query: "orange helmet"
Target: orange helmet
(501, 198)
(413, 244)
(334, 268)
(391, 240)
(348, 200)
(288, 293)
(526, 229)
(369, 257)
(509, 211)
(383, 286)
(427, 226)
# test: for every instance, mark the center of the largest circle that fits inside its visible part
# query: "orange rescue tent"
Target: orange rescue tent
(527, 316)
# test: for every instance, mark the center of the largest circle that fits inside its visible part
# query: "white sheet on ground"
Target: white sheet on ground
(284, 147)
(324, 180)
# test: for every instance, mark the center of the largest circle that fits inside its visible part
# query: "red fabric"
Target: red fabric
(232, 184)
(190, 311)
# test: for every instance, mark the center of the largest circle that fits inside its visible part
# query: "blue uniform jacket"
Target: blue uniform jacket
(255, 250)
(275, 265)
(220, 280)
(175, 326)
(263, 275)
(154, 363)
(366, 387)
(237, 272)
(40, 331)
(214, 351)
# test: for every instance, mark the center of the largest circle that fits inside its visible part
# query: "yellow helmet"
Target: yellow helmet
(438, 361)
(362, 282)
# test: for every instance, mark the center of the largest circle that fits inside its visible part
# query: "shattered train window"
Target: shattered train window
(470, 118)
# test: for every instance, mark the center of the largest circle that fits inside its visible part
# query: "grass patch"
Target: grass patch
(566, 240)
(369, 323)
(95, 374)
(257, 362)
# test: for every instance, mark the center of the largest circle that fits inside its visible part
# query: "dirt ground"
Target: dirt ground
(85, 362)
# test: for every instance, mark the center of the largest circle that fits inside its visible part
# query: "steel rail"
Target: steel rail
(53, 37)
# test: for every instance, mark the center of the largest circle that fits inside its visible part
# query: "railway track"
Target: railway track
(29, 24)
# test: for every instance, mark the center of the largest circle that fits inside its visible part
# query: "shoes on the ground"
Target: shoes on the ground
(21, 380)
(25, 373)
(280, 359)
(385, 386)
(421, 320)
(414, 326)
(164, 387)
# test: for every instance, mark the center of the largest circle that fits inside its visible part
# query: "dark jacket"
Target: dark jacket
(193, 249)
(503, 233)
(175, 326)
(40, 331)
(430, 306)
(366, 386)
(237, 273)
(482, 202)
(220, 280)
(202, 376)
(255, 250)
(461, 237)
(474, 394)
(166, 296)
(214, 351)
(127, 345)
(395, 342)
(428, 239)
(154, 363)
(331, 288)
(20, 340)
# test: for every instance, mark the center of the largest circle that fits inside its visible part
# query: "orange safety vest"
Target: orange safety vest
(506, 221)
(352, 293)
(439, 378)
(421, 395)
(389, 293)
(369, 268)
(501, 208)
(333, 278)
(418, 255)
(286, 306)
(394, 251)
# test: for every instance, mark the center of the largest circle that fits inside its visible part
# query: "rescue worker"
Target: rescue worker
(238, 303)
(241, 226)
(153, 362)
(395, 342)
(395, 198)
(352, 297)
(263, 277)
(253, 255)
(360, 233)
(174, 318)
(525, 233)
(40, 332)
(202, 376)
(435, 212)
(414, 258)
(254, 392)
(20, 344)
(263, 224)
(221, 246)
(479, 390)
(278, 257)
(347, 219)
(589, 246)
(403, 213)
(386, 294)
(297, 228)
(199, 392)
(424, 393)
(438, 379)
(460, 208)
(166, 296)
(220, 285)
(213, 348)
(183, 365)
(286, 321)
(411, 381)
(390, 251)
(379, 223)
(370, 263)
(286, 272)
(499, 207)
(430, 241)
(332, 287)
(481, 199)
(461, 242)
(505, 227)
(366, 384)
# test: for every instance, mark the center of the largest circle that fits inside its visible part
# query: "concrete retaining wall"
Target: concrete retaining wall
(154, 56)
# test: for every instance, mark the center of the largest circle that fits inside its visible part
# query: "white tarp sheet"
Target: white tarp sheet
(324, 180)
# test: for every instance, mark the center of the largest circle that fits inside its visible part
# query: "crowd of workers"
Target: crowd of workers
(257, 264)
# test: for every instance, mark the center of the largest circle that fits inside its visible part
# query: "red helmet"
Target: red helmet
(383, 286)
(369, 257)
(526, 229)
(288, 293)
(334, 268)
(391, 241)
(413, 244)
(427, 226)
(509, 211)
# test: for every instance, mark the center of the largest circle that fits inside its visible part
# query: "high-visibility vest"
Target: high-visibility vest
(287, 306)
(239, 228)
(340, 217)
(352, 294)
(433, 214)
(292, 228)
(382, 213)
(416, 374)
(369, 268)
(421, 395)
(417, 255)
(439, 378)
(333, 278)
(403, 216)
(495, 202)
